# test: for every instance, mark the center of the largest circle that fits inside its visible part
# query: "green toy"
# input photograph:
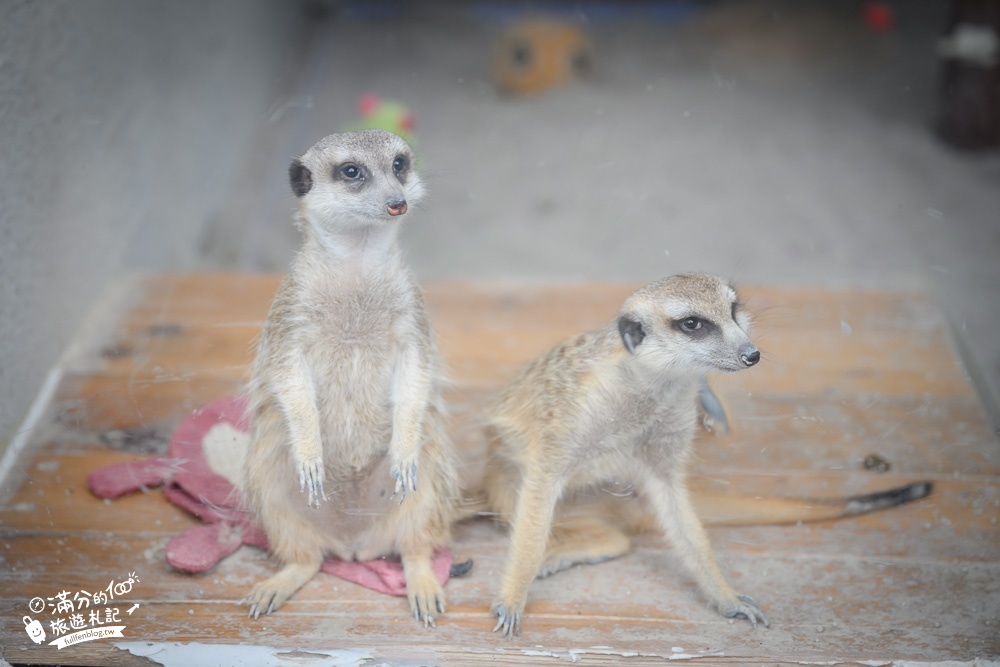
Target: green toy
(379, 114)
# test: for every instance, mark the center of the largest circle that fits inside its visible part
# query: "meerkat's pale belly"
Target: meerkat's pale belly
(353, 390)
(353, 377)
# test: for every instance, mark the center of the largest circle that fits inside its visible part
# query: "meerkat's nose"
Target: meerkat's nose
(749, 355)
(396, 206)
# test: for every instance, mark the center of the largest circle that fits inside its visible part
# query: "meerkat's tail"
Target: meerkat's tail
(729, 509)
(734, 510)
(873, 502)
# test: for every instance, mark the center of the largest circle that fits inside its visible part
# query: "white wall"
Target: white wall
(123, 125)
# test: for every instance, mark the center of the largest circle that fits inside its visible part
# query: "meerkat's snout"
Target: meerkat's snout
(396, 207)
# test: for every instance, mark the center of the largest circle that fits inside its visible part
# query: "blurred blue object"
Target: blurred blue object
(663, 11)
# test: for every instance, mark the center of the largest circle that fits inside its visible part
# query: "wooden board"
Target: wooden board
(845, 375)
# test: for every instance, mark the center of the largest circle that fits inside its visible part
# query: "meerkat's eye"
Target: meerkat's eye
(691, 324)
(351, 172)
(399, 165)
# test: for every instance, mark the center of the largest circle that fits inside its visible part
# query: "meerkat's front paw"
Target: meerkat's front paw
(713, 416)
(508, 618)
(311, 480)
(747, 609)
(405, 474)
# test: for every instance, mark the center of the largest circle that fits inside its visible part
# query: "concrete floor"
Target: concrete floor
(772, 142)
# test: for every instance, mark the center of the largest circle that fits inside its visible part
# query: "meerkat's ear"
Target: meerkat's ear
(631, 332)
(300, 177)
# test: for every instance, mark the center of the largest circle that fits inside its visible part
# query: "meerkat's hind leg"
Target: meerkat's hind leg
(270, 594)
(582, 540)
(296, 545)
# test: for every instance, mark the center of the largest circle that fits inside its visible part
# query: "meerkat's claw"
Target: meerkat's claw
(406, 480)
(425, 617)
(258, 606)
(423, 610)
(400, 490)
(748, 610)
(311, 481)
(424, 593)
(508, 620)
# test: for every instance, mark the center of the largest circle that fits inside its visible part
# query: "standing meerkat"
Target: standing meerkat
(613, 411)
(345, 392)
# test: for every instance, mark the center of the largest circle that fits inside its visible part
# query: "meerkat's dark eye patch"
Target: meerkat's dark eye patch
(300, 178)
(696, 327)
(631, 333)
(400, 166)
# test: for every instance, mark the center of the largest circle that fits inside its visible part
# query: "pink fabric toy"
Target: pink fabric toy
(190, 482)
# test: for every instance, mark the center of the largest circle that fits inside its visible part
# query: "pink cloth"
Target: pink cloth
(190, 483)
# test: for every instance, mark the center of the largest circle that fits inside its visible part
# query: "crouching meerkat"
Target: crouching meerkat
(344, 394)
(613, 412)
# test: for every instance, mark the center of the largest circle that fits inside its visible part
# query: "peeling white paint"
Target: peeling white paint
(574, 654)
(701, 654)
(548, 654)
(196, 654)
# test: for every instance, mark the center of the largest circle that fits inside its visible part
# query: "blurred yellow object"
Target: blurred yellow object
(537, 54)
